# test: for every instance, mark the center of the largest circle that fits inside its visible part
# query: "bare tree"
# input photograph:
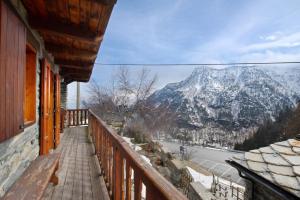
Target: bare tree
(135, 91)
(101, 100)
(127, 100)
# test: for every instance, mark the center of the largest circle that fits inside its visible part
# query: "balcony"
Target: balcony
(96, 163)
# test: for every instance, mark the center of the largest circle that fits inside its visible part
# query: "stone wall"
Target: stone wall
(17, 153)
(185, 180)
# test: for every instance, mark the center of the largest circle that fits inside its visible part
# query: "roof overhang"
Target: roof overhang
(72, 31)
(256, 179)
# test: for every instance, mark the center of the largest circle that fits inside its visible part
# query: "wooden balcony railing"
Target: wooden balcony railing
(77, 117)
(126, 174)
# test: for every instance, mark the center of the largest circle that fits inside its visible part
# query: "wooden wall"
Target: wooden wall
(12, 62)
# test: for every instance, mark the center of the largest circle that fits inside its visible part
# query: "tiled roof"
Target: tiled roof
(278, 163)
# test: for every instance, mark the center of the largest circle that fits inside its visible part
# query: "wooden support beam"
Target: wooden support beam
(69, 56)
(89, 67)
(68, 71)
(74, 55)
(63, 48)
(76, 76)
(54, 45)
(106, 2)
(56, 27)
(79, 62)
(70, 80)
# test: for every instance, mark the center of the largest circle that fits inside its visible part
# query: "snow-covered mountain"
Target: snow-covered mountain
(287, 76)
(232, 99)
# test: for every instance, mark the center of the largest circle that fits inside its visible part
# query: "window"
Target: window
(30, 87)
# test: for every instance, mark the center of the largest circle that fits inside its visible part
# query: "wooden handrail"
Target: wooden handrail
(119, 161)
(77, 117)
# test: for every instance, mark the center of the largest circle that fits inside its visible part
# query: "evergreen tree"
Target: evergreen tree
(286, 125)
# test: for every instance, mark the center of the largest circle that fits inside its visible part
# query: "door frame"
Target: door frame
(57, 113)
(46, 138)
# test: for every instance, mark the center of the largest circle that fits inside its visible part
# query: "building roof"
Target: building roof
(72, 31)
(278, 163)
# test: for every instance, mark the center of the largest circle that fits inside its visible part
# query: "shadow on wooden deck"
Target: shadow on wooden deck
(78, 172)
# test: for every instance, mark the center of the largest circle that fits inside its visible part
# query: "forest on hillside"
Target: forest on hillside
(286, 126)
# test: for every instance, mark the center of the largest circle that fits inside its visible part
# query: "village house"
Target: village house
(271, 172)
(45, 45)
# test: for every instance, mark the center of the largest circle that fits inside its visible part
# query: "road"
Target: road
(210, 159)
(200, 154)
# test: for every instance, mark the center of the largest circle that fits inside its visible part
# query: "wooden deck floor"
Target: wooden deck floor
(78, 173)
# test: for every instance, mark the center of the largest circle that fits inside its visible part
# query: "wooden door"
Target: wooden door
(46, 139)
(51, 111)
(57, 110)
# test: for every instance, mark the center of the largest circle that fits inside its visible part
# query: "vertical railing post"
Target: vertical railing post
(78, 113)
(85, 121)
(105, 159)
(110, 165)
(69, 118)
(74, 118)
(128, 181)
(101, 146)
(118, 173)
(81, 117)
(137, 186)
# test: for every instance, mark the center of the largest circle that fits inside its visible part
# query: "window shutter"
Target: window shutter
(12, 69)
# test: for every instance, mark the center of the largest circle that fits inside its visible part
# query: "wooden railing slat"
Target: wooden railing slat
(118, 174)
(137, 186)
(77, 117)
(110, 164)
(128, 181)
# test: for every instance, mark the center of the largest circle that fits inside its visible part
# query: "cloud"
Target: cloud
(271, 37)
(270, 56)
(287, 41)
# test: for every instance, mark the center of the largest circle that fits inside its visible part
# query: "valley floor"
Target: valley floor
(210, 159)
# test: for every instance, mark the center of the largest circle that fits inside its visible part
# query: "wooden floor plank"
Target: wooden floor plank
(78, 175)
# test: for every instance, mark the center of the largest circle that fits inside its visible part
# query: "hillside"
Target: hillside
(286, 126)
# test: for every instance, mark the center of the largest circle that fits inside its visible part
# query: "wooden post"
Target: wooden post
(137, 186)
(128, 181)
(118, 175)
(78, 96)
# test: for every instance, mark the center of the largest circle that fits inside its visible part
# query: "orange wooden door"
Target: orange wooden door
(51, 111)
(46, 139)
(57, 110)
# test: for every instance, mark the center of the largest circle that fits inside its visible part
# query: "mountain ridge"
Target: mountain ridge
(232, 99)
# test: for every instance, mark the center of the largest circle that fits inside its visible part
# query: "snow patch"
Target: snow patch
(133, 146)
(235, 110)
(206, 181)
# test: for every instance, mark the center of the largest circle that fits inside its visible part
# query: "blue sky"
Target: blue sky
(193, 31)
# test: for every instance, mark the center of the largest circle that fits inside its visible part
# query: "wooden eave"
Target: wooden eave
(72, 31)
